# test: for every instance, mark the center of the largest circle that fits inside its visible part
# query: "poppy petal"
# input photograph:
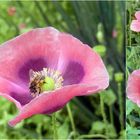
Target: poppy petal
(137, 15)
(35, 50)
(135, 26)
(14, 93)
(79, 63)
(48, 103)
(133, 87)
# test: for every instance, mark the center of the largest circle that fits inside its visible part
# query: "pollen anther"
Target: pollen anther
(45, 80)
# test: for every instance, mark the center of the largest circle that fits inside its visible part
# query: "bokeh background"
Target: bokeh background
(100, 24)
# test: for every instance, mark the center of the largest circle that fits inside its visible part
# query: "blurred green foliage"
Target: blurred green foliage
(95, 23)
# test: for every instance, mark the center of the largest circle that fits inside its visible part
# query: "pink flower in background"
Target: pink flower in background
(135, 24)
(11, 11)
(133, 87)
(40, 71)
(114, 33)
(22, 26)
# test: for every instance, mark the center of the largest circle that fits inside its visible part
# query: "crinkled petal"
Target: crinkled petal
(137, 15)
(48, 103)
(14, 93)
(80, 64)
(33, 50)
(135, 26)
(50, 48)
(133, 87)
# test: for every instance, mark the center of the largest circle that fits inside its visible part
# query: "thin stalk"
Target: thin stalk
(71, 119)
(86, 111)
(103, 110)
(111, 115)
(129, 29)
(120, 105)
(54, 126)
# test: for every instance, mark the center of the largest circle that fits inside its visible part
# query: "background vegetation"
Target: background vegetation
(132, 110)
(100, 24)
(132, 63)
(132, 38)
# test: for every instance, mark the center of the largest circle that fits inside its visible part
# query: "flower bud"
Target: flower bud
(100, 49)
(119, 76)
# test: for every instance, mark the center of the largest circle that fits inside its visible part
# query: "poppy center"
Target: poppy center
(45, 80)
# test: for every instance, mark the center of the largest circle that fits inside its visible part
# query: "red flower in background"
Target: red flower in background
(40, 71)
(133, 87)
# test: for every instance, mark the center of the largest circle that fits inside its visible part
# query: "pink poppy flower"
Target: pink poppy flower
(114, 33)
(133, 87)
(11, 11)
(40, 71)
(135, 24)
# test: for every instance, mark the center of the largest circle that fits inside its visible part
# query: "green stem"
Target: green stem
(120, 105)
(130, 121)
(103, 110)
(54, 126)
(71, 119)
(129, 29)
(93, 136)
(111, 115)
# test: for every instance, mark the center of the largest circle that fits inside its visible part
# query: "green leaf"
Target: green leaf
(63, 130)
(130, 106)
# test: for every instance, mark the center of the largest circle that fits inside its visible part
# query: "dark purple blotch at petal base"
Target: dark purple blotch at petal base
(34, 64)
(74, 73)
(22, 98)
